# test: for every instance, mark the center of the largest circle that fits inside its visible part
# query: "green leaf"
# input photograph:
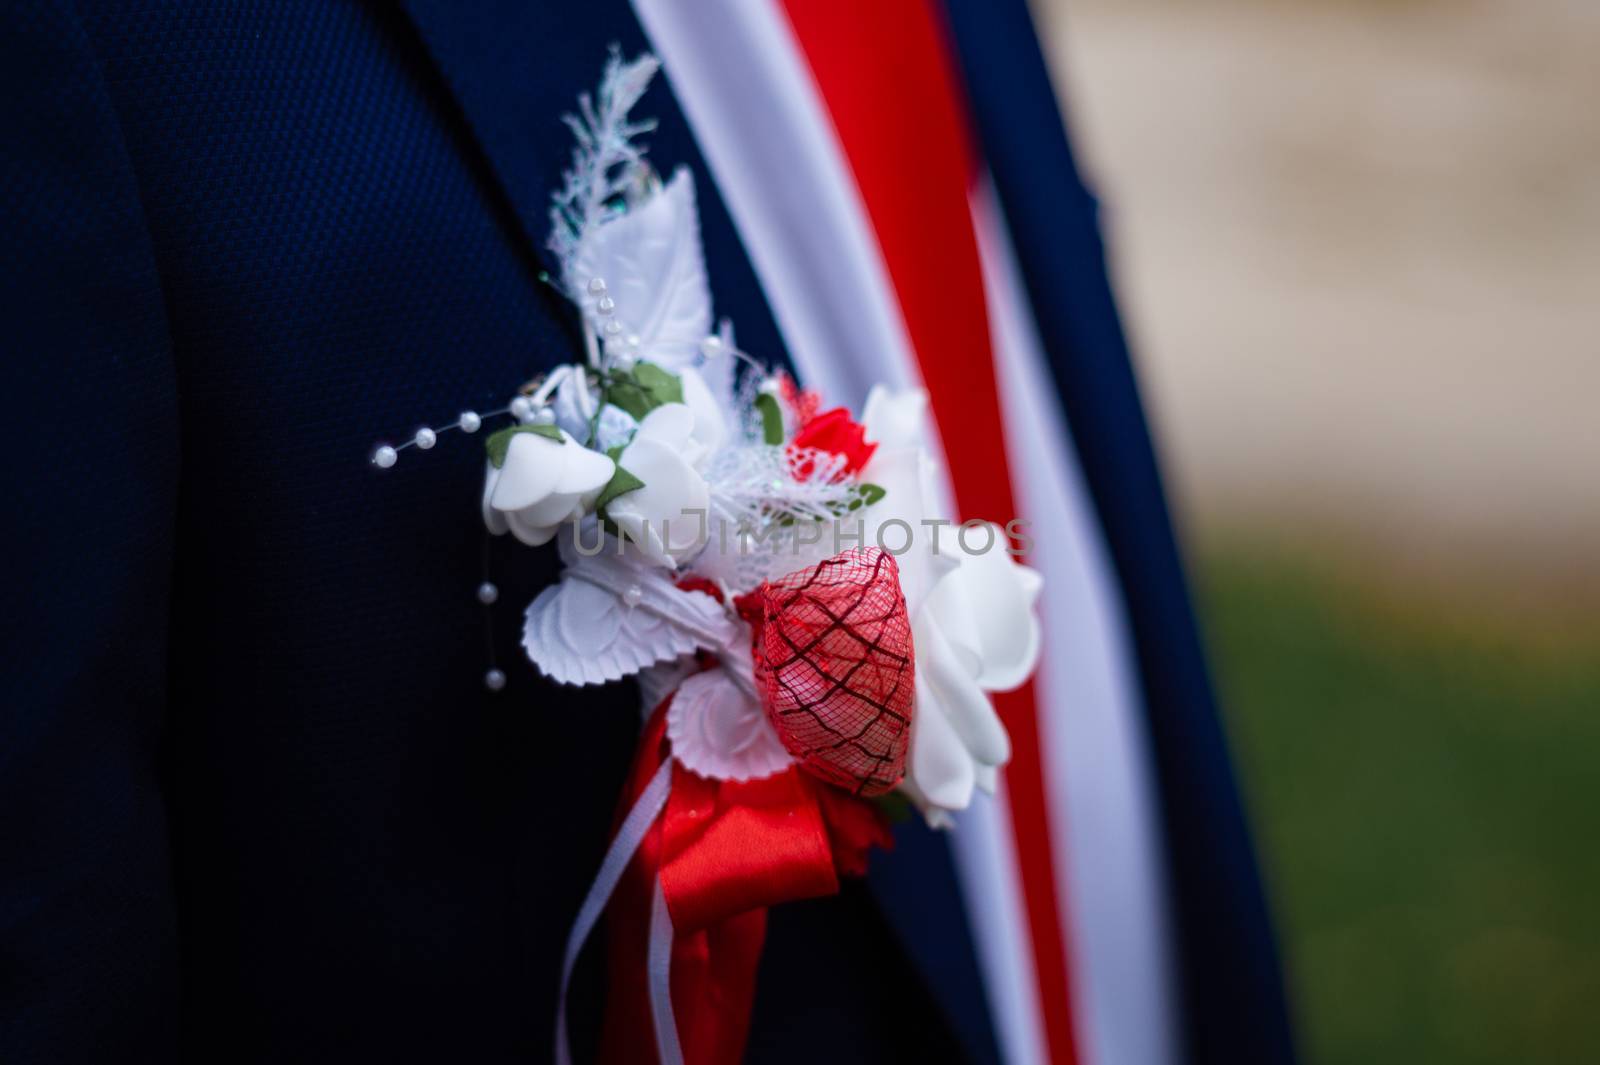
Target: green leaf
(662, 386)
(497, 444)
(627, 396)
(621, 481)
(864, 495)
(867, 494)
(642, 389)
(771, 418)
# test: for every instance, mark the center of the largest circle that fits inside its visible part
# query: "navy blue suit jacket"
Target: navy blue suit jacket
(255, 803)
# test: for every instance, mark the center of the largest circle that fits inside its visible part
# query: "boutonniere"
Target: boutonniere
(815, 642)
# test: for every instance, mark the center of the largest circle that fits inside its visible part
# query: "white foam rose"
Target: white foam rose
(543, 483)
(976, 633)
(972, 614)
(666, 518)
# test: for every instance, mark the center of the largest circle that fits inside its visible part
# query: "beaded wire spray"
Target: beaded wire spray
(525, 409)
(617, 352)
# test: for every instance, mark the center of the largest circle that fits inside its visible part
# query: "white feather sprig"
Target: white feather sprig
(606, 163)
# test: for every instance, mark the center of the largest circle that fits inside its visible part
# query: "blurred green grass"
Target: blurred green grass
(1422, 777)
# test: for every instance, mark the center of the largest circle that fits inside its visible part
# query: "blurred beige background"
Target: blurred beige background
(1357, 243)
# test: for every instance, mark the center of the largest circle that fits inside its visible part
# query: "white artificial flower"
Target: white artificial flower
(542, 484)
(972, 615)
(616, 426)
(894, 419)
(976, 632)
(666, 518)
(710, 425)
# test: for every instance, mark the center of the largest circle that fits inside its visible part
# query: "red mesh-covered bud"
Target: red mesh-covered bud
(833, 662)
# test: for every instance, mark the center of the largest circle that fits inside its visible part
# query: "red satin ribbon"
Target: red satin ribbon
(724, 851)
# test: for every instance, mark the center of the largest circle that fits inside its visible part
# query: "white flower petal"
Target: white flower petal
(671, 424)
(532, 467)
(552, 510)
(644, 535)
(492, 518)
(935, 817)
(710, 427)
(585, 470)
(996, 604)
(720, 731)
(947, 606)
(530, 533)
(667, 518)
(944, 677)
(987, 777)
(895, 419)
(888, 522)
(939, 766)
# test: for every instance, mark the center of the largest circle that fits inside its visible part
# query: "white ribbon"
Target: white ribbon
(659, 965)
(622, 849)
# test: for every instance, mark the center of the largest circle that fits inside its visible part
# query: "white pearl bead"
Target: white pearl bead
(487, 593)
(632, 595)
(384, 457)
(605, 305)
(711, 347)
(622, 360)
(597, 285)
(494, 680)
(426, 438)
(633, 340)
(613, 327)
(520, 407)
(469, 421)
(544, 416)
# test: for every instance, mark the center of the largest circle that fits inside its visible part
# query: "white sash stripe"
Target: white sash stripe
(1096, 751)
(758, 118)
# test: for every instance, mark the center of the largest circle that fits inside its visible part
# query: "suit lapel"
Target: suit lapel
(514, 68)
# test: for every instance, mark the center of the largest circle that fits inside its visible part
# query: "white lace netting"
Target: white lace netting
(765, 521)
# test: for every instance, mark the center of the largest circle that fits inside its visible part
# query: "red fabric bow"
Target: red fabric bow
(724, 851)
(832, 650)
